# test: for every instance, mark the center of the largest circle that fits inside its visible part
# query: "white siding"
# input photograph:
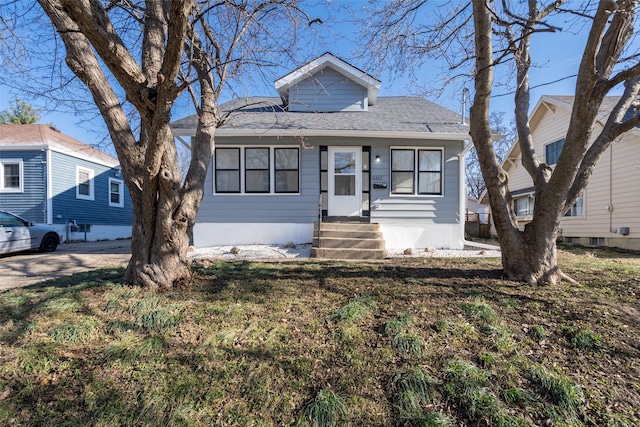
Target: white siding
(613, 183)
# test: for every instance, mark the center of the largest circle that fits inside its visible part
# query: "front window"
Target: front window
(577, 208)
(416, 171)
(227, 170)
(84, 184)
(553, 150)
(116, 193)
(11, 176)
(253, 170)
(287, 170)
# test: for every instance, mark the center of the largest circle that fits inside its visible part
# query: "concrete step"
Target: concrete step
(344, 234)
(336, 253)
(342, 226)
(347, 243)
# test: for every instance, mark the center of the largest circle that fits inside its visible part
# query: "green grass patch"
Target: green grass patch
(356, 309)
(583, 339)
(326, 410)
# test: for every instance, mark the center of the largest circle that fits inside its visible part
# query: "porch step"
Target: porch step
(348, 241)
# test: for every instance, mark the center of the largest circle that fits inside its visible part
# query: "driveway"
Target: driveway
(27, 268)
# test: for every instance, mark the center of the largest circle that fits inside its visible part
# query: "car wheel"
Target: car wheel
(49, 243)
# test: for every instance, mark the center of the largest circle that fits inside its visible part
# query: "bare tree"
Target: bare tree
(478, 37)
(181, 46)
(473, 171)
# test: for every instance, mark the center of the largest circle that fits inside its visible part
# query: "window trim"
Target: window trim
(246, 170)
(20, 163)
(582, 214)
(416, 171)
(91, 172)
(528, 196)
(120, 183)
(242, 171)
(546, 153)
(239, 170)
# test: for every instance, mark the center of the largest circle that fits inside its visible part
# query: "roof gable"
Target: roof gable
(371, 84)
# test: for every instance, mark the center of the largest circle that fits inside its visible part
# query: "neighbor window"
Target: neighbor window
(252, 170)
(116, 193)
(552, 151)
(11, 176)
(577, 208)
(416, 171)
(523, 206)
(84, 183)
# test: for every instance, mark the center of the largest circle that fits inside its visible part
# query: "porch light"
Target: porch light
(377, 159)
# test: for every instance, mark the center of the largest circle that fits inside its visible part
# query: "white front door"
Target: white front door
(345, 181)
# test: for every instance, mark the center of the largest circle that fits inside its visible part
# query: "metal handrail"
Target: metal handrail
(319, 217)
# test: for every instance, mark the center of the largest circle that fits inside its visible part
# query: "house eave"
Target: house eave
(61, 150)
(447, 136)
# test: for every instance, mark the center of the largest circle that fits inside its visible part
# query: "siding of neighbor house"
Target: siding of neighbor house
(30, 204)
(67, 206)
(327, 90)
(613, 183)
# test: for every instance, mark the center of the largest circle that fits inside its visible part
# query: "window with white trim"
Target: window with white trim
(577, 209)
(84, 183)
(416, 171)
(552, 151)
(523, 206)
(11, 176)
(116, 193)
(257, 170)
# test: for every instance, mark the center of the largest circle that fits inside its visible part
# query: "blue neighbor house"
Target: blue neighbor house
(48, 177)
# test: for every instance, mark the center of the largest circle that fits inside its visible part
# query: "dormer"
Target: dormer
(328, 84)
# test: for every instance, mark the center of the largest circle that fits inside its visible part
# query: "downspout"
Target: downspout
(462, 194)
(49, 201)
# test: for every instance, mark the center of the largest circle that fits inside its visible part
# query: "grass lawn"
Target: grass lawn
(415, 342)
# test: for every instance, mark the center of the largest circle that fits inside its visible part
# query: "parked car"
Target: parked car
(18, 234)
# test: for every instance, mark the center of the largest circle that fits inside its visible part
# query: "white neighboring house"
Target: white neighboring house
(607, 212)
(329, 146)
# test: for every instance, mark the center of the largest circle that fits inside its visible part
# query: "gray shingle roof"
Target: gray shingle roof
(400, 114)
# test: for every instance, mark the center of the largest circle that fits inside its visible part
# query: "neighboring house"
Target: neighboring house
(607, 212)
(49, 177)
(330, 146)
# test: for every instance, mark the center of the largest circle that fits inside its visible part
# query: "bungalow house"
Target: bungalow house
(330, 148)
(607, 212)
(49, 177)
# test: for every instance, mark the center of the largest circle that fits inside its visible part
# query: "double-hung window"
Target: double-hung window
(577, 208)
(257, 170)
(84, 183)
(552, 151)
(116, 193)
(416, 171)
(11, 176)
(287, 170)
(523, 206)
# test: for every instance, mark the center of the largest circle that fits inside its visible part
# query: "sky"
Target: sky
(556, 58)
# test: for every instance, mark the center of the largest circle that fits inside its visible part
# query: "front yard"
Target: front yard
(415, 342)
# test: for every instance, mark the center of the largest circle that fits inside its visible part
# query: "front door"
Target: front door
(345, 181)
